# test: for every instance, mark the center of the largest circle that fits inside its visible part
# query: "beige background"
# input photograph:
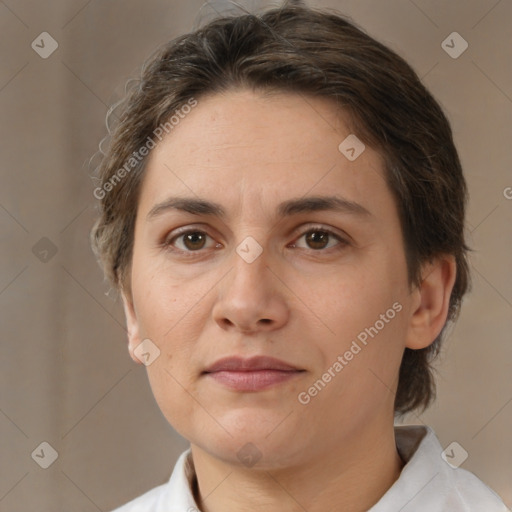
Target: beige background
(66, 377)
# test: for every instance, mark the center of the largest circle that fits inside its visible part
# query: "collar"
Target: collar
(427, 483)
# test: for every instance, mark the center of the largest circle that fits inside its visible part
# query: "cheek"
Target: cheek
(168, 389)
(162, 302)
(365, 311)
(355, 298)
(169, 313)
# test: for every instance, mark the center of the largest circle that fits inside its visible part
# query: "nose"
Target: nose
(252, 298)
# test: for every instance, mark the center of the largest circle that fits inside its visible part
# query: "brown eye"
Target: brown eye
(189, 241)
(317, 239)
(194, 240)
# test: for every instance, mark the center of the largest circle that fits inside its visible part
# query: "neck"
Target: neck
(351, 477)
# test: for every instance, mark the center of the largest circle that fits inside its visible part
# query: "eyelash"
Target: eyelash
(167, 243)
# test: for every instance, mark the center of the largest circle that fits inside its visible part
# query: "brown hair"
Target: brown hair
(317, 53)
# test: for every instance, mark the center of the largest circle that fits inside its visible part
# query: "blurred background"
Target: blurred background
(66, 377)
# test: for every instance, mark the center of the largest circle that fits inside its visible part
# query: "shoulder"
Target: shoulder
(147, 502)
(428, 483)
(176, 494)
(471, 494)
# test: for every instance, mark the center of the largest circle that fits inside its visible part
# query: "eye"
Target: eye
(192, 240)
(319, 238)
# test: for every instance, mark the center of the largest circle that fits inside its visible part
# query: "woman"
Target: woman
(282, 210)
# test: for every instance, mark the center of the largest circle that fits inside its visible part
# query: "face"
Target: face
(257, 238)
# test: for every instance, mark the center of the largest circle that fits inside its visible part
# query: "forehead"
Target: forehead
(259, 149)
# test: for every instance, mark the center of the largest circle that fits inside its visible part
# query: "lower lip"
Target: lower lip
(256, 380)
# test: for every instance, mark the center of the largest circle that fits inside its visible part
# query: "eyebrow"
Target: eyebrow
(285, 209)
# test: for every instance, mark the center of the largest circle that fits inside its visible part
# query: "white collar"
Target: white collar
(426, 484)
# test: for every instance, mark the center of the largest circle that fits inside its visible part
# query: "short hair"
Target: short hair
(298, 49)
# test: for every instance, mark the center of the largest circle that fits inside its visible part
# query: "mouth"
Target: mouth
(253, 374)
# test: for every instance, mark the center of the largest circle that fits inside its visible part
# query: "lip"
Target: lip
(252, 374)
(255, 363)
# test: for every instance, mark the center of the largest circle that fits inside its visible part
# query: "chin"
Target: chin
(257, 440)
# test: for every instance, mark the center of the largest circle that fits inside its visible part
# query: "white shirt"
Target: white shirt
(426, 484)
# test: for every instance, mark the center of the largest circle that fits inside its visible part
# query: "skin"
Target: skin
(299, 301)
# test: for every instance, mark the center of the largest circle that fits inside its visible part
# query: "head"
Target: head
(250, 113)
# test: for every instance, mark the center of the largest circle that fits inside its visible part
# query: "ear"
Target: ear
(432, 302)
(132, 324)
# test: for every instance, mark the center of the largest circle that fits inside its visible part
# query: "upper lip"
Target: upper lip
(240, 364)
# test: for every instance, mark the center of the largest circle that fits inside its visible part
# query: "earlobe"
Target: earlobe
(132, 325)
(433, 294)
